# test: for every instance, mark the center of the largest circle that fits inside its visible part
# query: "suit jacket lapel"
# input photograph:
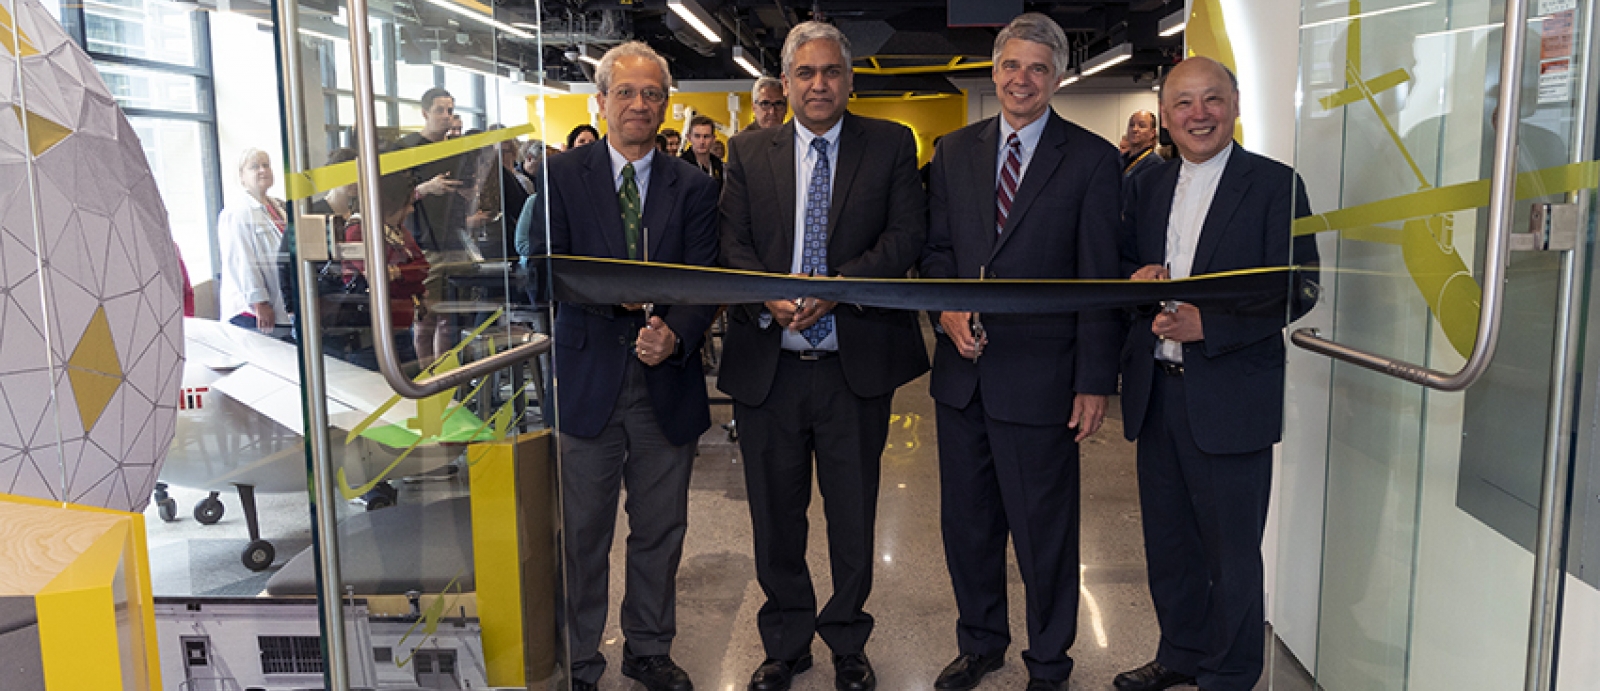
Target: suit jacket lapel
(1046, 156)
(599, 182)
(850, 148)
(1231, 189)
(658, 205)
(1153, 244)
(981, 167)
(780, 157)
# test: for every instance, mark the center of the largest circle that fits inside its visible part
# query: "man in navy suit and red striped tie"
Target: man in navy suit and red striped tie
(1022, 195)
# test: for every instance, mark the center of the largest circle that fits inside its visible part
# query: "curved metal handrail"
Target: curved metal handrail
(371, 198)
(1502, 195)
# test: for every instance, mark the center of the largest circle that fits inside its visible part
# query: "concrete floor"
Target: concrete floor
(718, 598)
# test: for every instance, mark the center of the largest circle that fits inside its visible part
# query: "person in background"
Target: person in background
(455, 127)
(406, 267)
(513, 195)
(530, 162)
(1142, 138)
(766, 97)
(661, 144)
(582, 135)
(702, 133)
(719, 149)
(436, 221)
(250, 231)
(673, 140)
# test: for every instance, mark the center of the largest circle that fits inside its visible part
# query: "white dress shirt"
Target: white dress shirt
(1191, 202)
(1028, 136)
(249, 241)
(805, 161)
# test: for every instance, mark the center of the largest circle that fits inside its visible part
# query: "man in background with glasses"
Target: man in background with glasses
(631, 393)
(766, 97)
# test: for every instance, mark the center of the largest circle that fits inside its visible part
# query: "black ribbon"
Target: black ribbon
(611, 281)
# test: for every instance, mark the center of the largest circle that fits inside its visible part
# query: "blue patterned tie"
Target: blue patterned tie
(814, 260)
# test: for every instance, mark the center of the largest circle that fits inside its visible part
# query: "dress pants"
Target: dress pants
(811, 410)
(998, 478)
(1203, 519)
(630, 452)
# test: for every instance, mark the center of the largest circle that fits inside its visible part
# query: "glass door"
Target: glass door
(413, 146)
(1432, 550)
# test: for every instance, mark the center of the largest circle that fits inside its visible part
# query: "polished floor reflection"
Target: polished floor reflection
(911, 599)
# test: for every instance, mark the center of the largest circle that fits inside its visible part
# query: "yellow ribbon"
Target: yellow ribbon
(317, 180)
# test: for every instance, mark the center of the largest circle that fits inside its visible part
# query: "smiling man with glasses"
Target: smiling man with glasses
(632, 393)
(766, 98)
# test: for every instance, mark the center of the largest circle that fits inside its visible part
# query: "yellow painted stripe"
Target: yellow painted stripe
(317, 180)
(1376, 85)
(1467, 195)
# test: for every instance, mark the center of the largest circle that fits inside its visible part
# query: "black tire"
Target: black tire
(381, 496)
(376, 502)
(208, 511)
(258, 555)
(168, 508)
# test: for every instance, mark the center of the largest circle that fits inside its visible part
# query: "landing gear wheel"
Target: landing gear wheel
(168, 508)
(209, 510)
(258, 555)
(382, 496)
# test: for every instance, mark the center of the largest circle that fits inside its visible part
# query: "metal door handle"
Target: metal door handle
(371, 198)
(1502, 195)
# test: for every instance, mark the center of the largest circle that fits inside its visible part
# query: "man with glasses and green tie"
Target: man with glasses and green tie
(766, 97)
(631, 393)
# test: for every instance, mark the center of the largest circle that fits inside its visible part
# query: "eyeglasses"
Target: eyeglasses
(770, 104)
(626, 93)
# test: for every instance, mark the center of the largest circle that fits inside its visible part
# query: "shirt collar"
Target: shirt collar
(1210, 167)
(1029, 134)
(804, 136)
(641, 167)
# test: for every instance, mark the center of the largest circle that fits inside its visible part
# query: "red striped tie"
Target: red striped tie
(1010, 175)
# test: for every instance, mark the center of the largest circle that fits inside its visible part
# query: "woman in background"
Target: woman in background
(582, 135)
(250, 231)
(405, 270)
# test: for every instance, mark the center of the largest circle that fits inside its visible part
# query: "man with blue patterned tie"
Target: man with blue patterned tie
(826, 194)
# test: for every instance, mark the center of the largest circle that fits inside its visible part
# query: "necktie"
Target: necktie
(628, 199)
(814, 260)
(1010, 176)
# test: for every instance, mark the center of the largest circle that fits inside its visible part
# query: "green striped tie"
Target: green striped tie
(628, 198)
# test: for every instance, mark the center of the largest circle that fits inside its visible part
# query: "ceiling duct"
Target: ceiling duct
(688, 36)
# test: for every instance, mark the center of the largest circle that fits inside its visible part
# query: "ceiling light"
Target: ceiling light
(1173, 23)
(589, 54)
(740, 57)
(458, 9)
(1117, 55)
(697, 17)
(1071, 78)
(526, 25)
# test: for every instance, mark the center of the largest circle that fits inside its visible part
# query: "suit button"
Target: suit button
(622, 341)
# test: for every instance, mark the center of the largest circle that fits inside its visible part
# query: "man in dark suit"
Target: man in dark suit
(831, 194)
(1021, 195)
(631, 391)
(1202, 387)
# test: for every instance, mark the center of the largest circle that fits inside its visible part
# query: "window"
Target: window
(290, 654)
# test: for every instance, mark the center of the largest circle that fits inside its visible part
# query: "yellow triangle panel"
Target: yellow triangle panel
(6, 33)
(42, 133)
(94, 369)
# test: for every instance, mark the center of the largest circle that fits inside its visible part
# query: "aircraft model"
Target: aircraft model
(241, 422)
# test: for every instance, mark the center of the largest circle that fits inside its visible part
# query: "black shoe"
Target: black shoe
(581, 685)
(853, 673)
(1151, 677)
(775, 675)
(1037, 684)
(967, 670)
(656, 672)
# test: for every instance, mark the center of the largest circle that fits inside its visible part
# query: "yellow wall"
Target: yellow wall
(927, 117)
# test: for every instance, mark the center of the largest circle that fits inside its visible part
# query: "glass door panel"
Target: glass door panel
(433, 513)
(1432, 497)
